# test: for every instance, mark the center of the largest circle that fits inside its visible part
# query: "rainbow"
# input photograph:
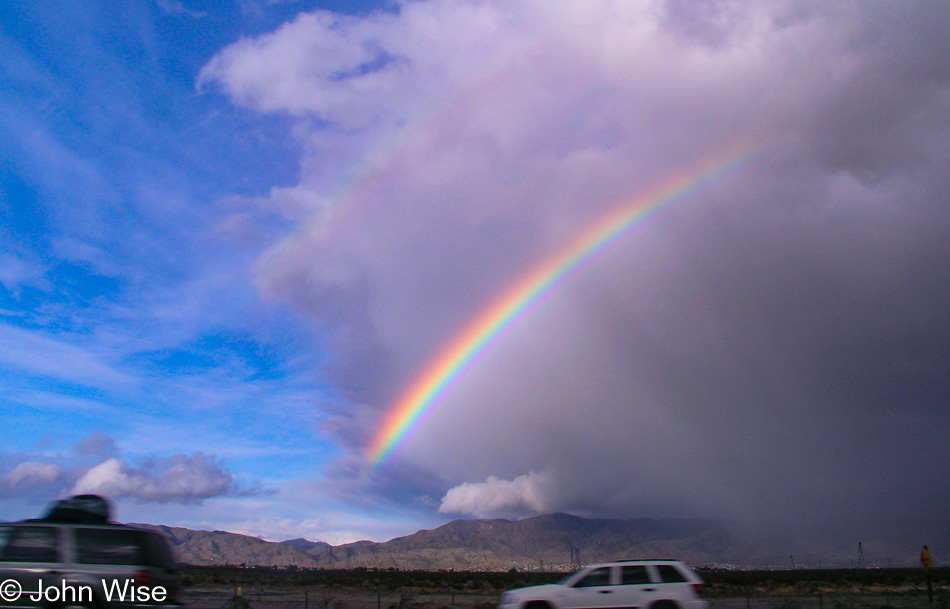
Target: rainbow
(451, 364)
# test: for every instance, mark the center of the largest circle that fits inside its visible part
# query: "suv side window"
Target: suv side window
(670, 574)
(109, 547)
(30, 544)
(597, 577)
(632, 575)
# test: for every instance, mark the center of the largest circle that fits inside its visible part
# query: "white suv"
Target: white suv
(652, 584)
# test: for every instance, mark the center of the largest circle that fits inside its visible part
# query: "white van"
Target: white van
(75, 557)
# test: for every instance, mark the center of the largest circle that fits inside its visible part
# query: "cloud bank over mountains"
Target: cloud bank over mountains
(774, 344)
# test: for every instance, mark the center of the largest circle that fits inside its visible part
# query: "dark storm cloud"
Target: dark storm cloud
(773, 345)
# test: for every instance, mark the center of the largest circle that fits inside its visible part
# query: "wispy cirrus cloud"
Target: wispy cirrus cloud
(34, 353)
(178, 8)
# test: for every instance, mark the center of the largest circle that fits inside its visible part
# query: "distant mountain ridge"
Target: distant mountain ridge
(548, 541)
(543, 542)
(223, 548)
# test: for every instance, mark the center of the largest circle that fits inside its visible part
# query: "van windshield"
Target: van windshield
(109, 546)
(28, 544)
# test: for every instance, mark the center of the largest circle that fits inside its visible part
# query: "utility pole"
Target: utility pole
(925, 560)
(861, 563)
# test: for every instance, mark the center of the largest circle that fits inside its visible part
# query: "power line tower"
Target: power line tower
(861, 563)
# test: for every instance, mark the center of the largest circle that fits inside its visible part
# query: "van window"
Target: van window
(30, 544)
(670, 574)
(109, 546)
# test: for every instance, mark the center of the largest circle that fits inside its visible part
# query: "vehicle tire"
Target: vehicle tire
(665, 604)
(538, 605)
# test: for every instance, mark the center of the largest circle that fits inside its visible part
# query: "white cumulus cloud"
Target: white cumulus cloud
(178, 479)
(531, 493)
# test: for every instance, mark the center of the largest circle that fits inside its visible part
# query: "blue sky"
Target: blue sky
(231, 234)
(127, 316)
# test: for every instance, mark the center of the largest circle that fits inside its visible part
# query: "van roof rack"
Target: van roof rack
(80, 509)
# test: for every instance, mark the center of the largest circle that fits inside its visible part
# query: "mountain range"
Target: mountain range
(553, 542)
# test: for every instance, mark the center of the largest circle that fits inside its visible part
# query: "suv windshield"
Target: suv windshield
(563, 581)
